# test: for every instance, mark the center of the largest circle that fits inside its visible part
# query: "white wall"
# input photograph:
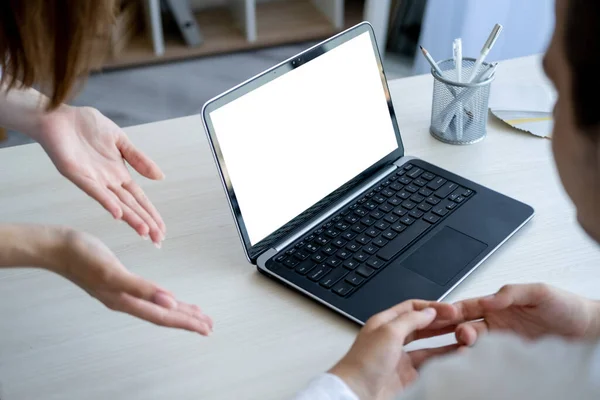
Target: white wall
(528, 26)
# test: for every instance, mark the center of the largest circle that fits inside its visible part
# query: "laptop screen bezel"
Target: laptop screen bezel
(254, 251)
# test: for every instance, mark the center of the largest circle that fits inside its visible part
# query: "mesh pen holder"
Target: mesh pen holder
(459, 112)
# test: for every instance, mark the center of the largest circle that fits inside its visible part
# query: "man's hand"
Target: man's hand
(377, 367)
(92, 151)
(531, 311)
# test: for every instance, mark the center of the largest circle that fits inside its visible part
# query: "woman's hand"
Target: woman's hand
(87, 262)
(530, 311)
(90, 150)
(377, 367)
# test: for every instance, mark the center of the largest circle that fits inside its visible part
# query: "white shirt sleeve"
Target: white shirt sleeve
(507, 367)
(326, 387)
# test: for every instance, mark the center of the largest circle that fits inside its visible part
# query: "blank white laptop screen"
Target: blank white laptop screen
(293, 141)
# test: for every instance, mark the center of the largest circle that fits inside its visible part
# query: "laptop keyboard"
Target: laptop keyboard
(361, 239)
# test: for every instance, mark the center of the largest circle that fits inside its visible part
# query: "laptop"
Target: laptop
(324, 197)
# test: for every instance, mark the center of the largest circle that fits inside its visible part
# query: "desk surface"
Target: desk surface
(57, 343)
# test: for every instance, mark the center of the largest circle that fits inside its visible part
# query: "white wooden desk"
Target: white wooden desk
(57, 343)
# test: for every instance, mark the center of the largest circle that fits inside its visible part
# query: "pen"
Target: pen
(485, 50)
(458, 60)
(432, 62)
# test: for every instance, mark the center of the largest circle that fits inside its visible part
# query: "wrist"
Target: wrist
(32, 246)
(46, 122)
(354, 382)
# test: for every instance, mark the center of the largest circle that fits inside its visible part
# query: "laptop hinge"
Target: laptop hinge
(335, 208)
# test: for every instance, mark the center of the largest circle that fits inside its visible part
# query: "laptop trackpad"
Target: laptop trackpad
(444, 255)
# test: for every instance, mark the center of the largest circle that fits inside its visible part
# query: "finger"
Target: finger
(404, 325)
(419, 357)
(467, 334)
(429, 332)
(196, 312)
(134, 220)
(138, 160)
(443, 310)
(517, 295)
(158, 315)
(106, 198)
(143, 200)
(137, 286)
(127, 198)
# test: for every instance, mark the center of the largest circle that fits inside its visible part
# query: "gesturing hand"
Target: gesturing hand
(530, 311)
(90, 150)
(88, 263)
(377, 367)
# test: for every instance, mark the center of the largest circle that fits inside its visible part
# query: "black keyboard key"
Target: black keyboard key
(332, 233)
(446, 189)
(291, 262)
(333, 277)
(370, 205)
(368, 220)
(348, 235)
(354, 279)
(382, 225)
(389, 234)
(424, 207)
(460, 199)
(361, 257)
(405, 180)
(401, 242)
(318, 272)
(396, 186)
(373, 232)
(337, 218)
(299, 245)
(415, 172)
(467, 192)
(291, 251)
(408, 166)
(385, 207)
(328, 225)
(404, 194)
(431, 218)
(351, 264)
(309, 238)
(319, 231)
(425, 192)
(393, 178)
(340, 242)
(436, 183)
(322, 240)
(311, 248)
(281, 258)
(334, 261)
(358, 228)
(346, 212)
(379, 199)
(353, 247)
(344, 254)
(329, 249)
(400, 212)
(407, 220)
(372, 192)
(398, 227)
(302, 255)
(432, 200)
(352, 219)
(342, 225)
(451, 206)
(419, 182)
(305, 267)
(371, 249)
(417, 198)
(428, 176)
(394, 201)
(342, 289)
(365, 271)
(380, 242)
(361, 212)
(456, 193)
(440, 210)
(416, 214)
(363, 239)
(409, 205)
(391, 218)
(386, 183)
(411, 188)
(353, 206)
(319, 257)
(388, 192)
(375, 262)
(377, 214)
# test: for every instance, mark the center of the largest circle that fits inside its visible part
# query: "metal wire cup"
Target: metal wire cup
(459, 111)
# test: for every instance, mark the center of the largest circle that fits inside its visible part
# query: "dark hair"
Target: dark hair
(582, 43)
(52, 43)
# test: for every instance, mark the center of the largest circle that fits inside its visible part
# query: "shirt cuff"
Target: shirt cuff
(327, 387)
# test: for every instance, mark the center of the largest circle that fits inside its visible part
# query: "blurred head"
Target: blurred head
(52, 43)
(572, 62)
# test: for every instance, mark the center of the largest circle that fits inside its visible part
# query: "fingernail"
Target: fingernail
(145, 237)
(429, 311)
(158, 245)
